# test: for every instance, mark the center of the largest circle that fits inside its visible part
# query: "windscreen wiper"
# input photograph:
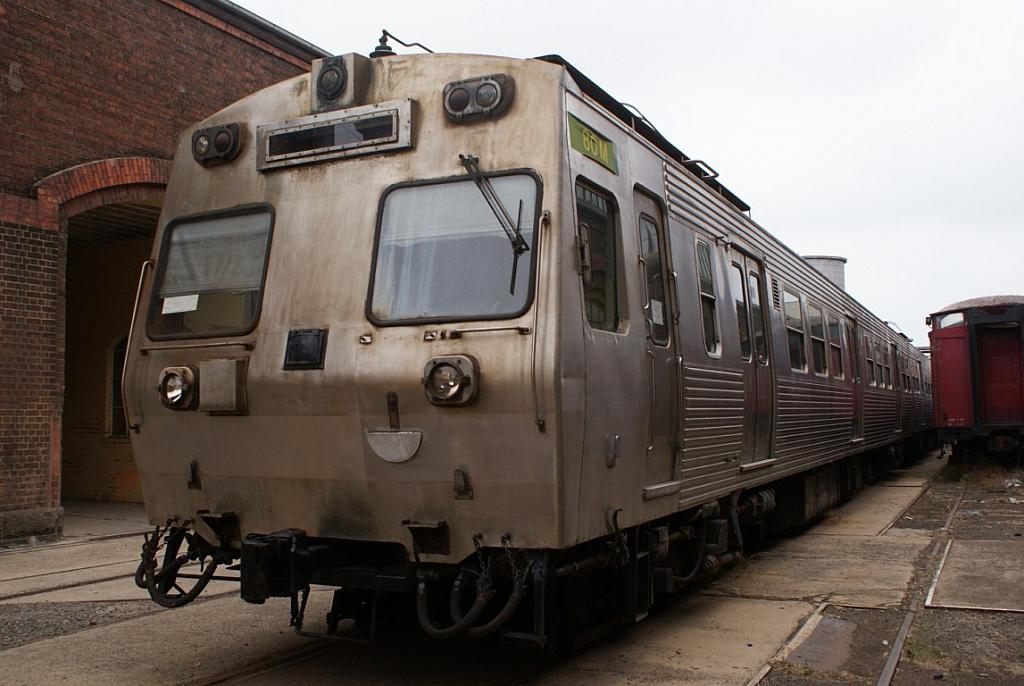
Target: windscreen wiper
(515, 236)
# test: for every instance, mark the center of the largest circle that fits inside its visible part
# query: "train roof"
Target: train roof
(985, 301)
(642, 126)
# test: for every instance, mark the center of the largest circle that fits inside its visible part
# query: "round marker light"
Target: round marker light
(486, 95)
(201, 145)
(458, 99)
(222, 141)
(445, 381)
(331, 82)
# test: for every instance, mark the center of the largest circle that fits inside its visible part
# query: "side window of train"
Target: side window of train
(736, 290)
(887, 358)
(835, 341)
(757, 317)
(708, 298)
(657, 311)
(869, 358)
(880, 361)
(794, 330)
(598, 258)
(920, 375)
(819, 348)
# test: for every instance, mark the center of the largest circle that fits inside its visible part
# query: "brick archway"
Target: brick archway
(34, 234)
(103, 182)
(106, 212)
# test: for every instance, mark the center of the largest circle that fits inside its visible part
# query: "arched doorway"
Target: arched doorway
(108, 212)
(106, 245)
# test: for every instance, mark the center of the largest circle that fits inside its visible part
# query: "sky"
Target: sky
(891, 133)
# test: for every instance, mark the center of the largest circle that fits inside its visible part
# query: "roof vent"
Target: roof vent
(831, 267)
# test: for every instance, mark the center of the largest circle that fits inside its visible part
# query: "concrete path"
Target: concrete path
(86, 519)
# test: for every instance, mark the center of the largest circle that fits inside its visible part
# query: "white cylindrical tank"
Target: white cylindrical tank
(832, 267)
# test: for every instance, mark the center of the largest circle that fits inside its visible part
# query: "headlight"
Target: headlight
(451, 380)
(445, 381)
(216, 144)
(174, 388)
(485, 97)
(201, 145)
(177, 388)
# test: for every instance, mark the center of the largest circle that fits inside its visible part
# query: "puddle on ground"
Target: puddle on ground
(828, 647)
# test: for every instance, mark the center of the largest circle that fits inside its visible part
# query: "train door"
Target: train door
(746, 280)
(999, 371)
(662, 356)
(857, 432)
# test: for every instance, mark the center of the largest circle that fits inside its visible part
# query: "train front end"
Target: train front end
(342, 364)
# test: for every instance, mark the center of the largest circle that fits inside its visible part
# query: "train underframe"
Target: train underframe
(973, 445)
(551, 599)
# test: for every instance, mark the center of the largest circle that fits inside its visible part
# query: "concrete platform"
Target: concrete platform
(843, 570)
(703, 640)
(870, 513)
(980, 575)
(84, 519)
(873, 511)
(699, 640)
(177, 646)
(22, 563)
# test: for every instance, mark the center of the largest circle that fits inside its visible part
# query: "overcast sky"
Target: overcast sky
(891, 133)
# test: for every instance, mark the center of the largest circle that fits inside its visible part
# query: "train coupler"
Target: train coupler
(274, 565)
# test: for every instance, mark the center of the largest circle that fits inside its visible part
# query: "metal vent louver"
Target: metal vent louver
(776, 299)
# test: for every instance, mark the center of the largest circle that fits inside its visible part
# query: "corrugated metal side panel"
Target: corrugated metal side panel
(712, 425)
(879, 416)
(907, 418)
(814, 420)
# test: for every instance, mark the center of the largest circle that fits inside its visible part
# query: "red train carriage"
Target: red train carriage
(978, 373)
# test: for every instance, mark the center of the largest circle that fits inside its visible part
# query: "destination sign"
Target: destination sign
(592, 144)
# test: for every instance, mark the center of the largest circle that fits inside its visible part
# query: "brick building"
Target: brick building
(93, 95)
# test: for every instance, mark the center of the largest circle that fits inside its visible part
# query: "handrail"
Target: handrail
(128, 343)
(248, 345)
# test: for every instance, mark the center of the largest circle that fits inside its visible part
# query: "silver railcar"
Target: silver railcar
(466, 328)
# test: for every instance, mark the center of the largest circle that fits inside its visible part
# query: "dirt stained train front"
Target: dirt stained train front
(348, 324)
(468, 323)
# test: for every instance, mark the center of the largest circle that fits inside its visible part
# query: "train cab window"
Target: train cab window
(657, 311)
(794, 330)
(708, 299)
(599, 257)
(443, 255)
(835, 342)
(210, 278)
(948, 320)
(736, 289)
(757, 317)
(819, 348)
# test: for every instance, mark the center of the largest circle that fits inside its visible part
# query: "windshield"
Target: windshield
(211, 275)
(442, 254)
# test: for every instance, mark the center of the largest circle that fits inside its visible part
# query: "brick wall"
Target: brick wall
(31, 363)
(92, 79)
(80, 82)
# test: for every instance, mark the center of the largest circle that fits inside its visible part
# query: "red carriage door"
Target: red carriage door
(999, 371)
